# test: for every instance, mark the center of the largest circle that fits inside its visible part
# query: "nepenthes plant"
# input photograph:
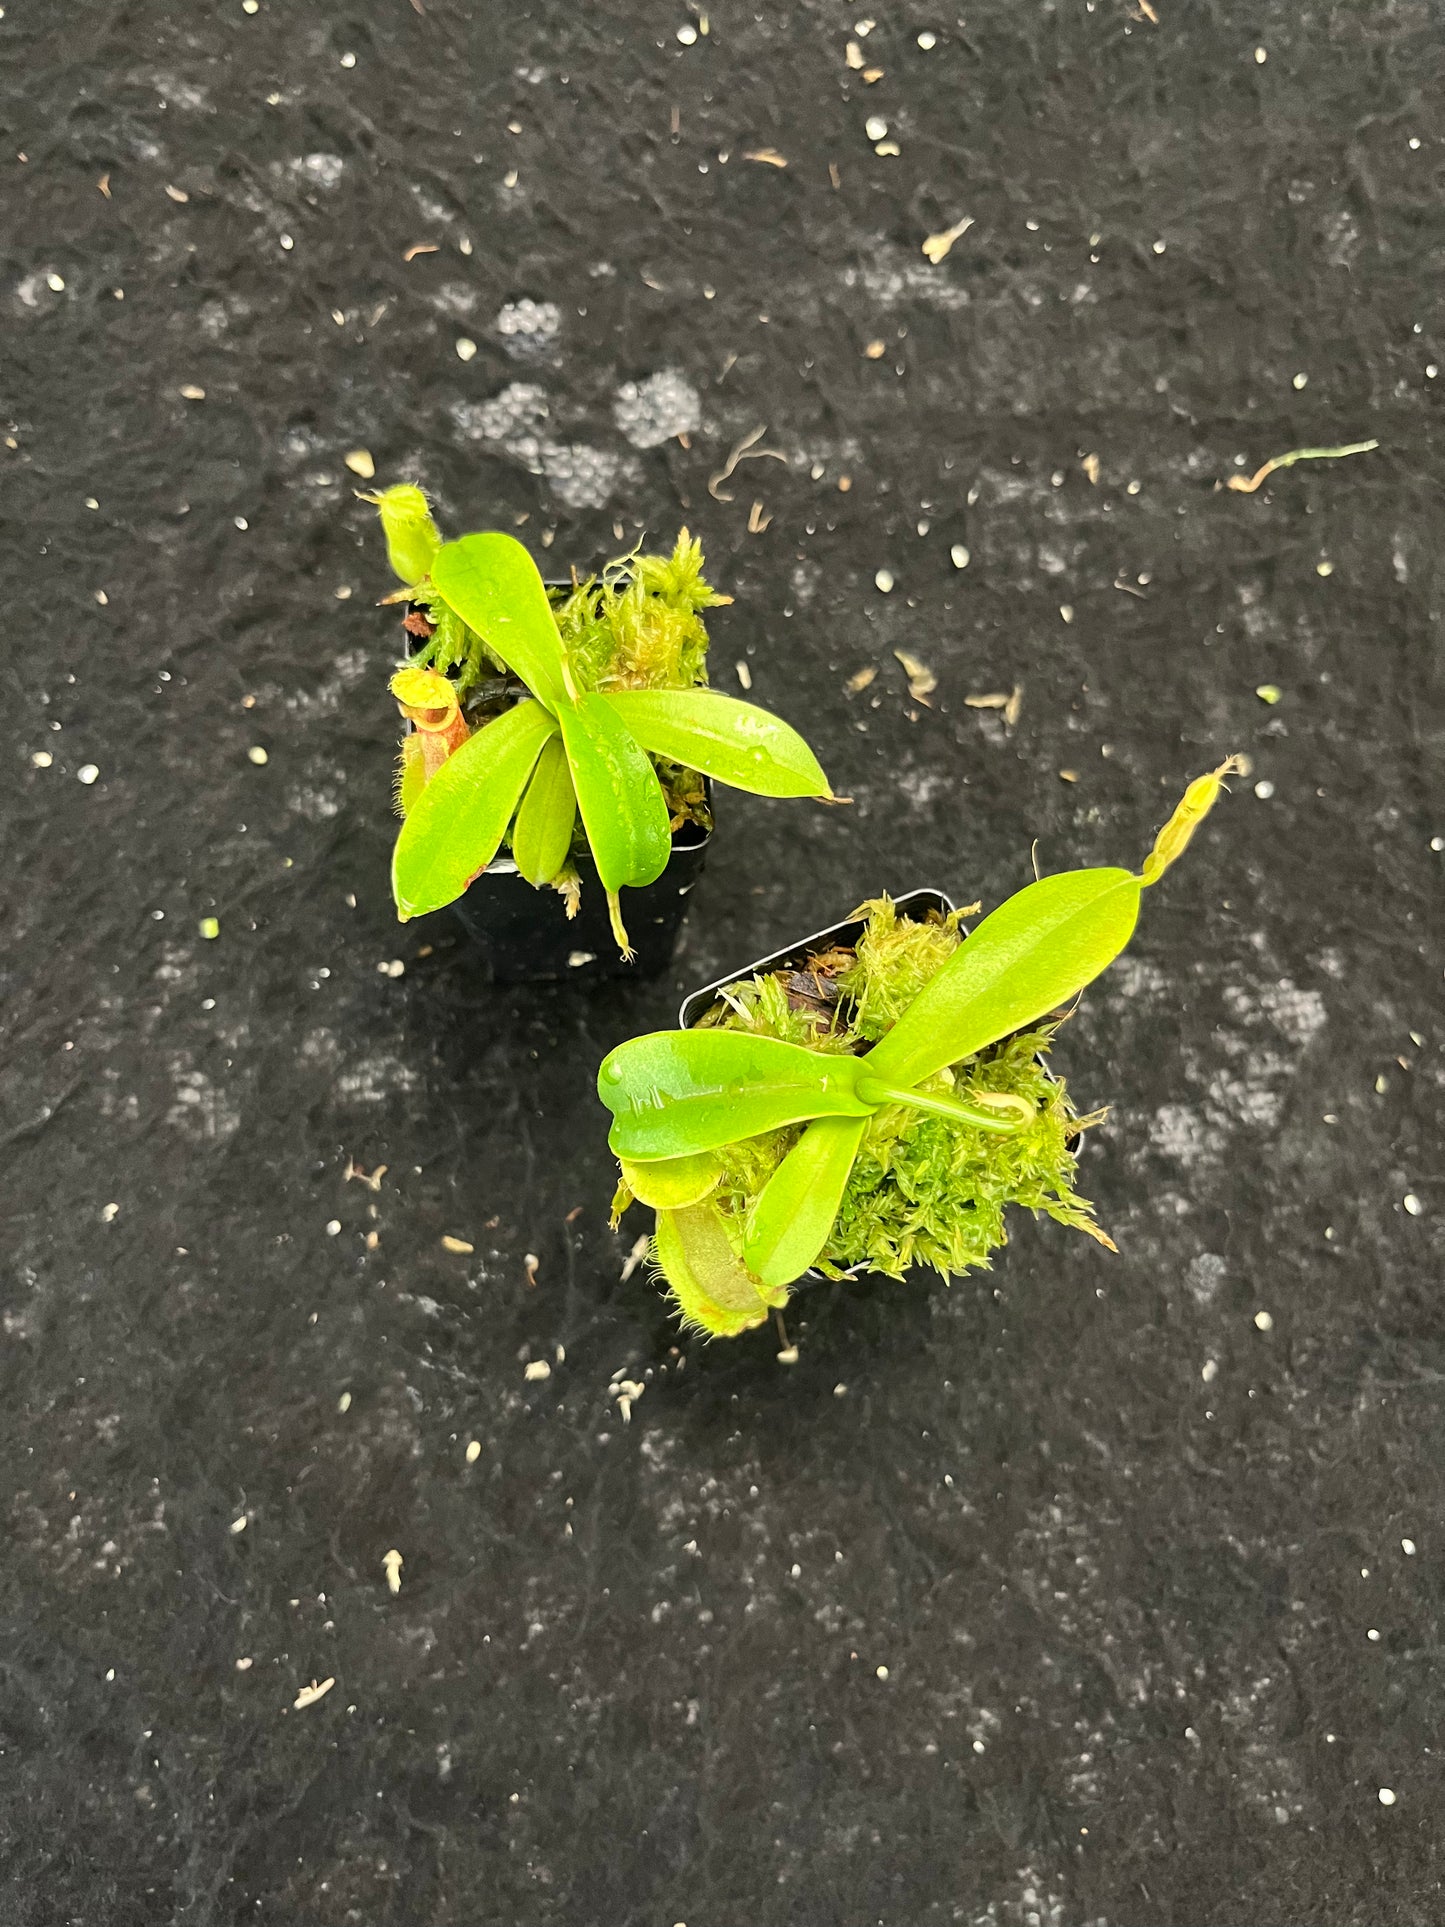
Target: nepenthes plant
(532, 710)
(888, 1115)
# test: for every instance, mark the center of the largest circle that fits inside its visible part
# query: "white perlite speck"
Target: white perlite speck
(325, 170)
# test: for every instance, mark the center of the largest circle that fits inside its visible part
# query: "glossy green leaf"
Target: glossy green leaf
(454, 827)
(542, 833)
(734, 742)
(623, 809)
(675, 1092)
(493, 584)
(1030, 956)
(714, 1291)
(670, 1183)
(793, 1214)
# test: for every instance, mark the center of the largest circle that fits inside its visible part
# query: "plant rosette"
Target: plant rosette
(548, 727)
(879, 1109)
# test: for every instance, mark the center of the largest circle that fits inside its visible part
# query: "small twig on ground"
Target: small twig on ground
(1243, 486)
(743, 452)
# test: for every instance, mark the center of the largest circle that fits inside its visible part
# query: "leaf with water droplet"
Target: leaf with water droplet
(684, 1091)
(732, 741)
(623, 809)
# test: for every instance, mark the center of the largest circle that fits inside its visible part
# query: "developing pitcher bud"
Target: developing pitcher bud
(1198, 800)
(412, 538)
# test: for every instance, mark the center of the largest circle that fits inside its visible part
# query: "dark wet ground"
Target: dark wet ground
(1150, 1547)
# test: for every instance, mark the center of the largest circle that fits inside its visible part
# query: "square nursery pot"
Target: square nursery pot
(525, 935)
(915, 905)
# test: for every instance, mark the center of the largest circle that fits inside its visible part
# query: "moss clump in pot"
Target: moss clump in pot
(541, 721)
(881, 1107)
(925, 1189)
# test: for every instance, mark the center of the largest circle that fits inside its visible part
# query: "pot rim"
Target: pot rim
(693, 1006)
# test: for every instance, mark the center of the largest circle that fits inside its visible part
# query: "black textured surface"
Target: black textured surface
(633, 1671)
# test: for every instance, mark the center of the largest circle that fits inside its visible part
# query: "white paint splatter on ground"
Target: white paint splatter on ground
(653, 411)
(1182, 1133)
(920, 787)
(456, 299)
(581, 477)
(1300, 1014)
(316, 805)
(1255, 1097)
(34, 291)
(200, 1111)
(520, 409)
(322, 170)
(374, 1079)
(1136, 978)
(180, 93)
(1205, 1275)
(529, 328)
(895, 277)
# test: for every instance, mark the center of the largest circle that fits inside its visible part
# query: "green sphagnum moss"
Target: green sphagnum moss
(925, 1190)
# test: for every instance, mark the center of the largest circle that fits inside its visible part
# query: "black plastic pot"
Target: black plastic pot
(525, 936)
(915, 905)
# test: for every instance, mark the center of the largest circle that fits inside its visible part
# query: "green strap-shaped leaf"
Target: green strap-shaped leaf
(731, 741)
(454, 827)
(493, 584)
(713, 1289)
(793, 1214)
(671, 1183)
(1030, 956)
(623, 808)
(676, 1092)
(542, 833)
